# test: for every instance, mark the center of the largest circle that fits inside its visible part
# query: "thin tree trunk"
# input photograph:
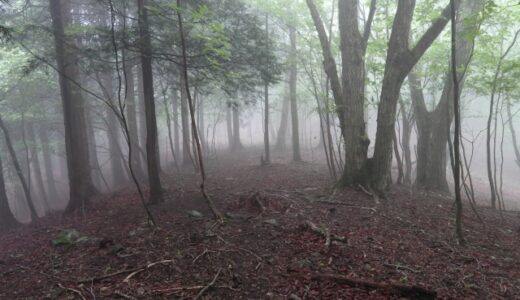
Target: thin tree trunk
(175, 115)
(293, 97)
(229, 126)
(513, 133)
(267, 150)
(131, 112)
(281, 138)
(47, 162)
(152, 151)
(237, 143)
(186, 133)
(37, 167)
(7, 219)
(18, 169)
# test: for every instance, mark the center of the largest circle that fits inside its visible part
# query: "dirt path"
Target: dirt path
(266, 249)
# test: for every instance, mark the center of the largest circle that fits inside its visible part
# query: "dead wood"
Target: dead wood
(325, 233)
(416, 292)
(133, 270)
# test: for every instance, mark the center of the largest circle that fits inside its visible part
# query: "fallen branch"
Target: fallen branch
(187, 288)
(345, 204)
(148, 266)
(208, 286)
(417, 292)
(72, 291)
(96, 279)
(325, 233)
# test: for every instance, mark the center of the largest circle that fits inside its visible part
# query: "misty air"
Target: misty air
(259, 149)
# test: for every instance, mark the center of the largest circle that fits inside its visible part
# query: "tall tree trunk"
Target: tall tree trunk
(293, 96)
(7, 219)
(47, 162)
(201, 123)
(98, 178)
(76, 142)
(237, 143)
(433, 126)
(175, 115)
(152, 152)
(405, 143)
(397, 155)
(141, 114)
(229, 126)
(186, 132)
(37, 167)
(399, 62)
(513, 133)
(131, 112)
(113, 130)
(19, 172)
(281, 137)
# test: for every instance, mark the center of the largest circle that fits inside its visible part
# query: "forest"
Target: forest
(259, 149)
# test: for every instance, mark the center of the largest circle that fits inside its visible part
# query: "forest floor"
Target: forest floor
(399, 247)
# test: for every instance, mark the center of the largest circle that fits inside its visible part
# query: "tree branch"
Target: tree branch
(368, 24)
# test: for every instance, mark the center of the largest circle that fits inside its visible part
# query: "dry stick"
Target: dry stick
(211, 205)
(127, 279)
(212, 281)
(404, 290)
(120, 114)
(142, 268)
(72, 290)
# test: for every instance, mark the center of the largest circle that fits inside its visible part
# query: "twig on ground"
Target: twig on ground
(195, 287)
(96, 279)
(324, 233)
(416, 292)
(74, 291)
(206, 251)
(203, 290)
(148, 266)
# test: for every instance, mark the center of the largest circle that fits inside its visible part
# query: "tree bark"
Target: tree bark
(433, 126)
(7, 219)
(19, 173)
(399, 62)
(281, 137)
(292, 94)
(186, 132)
(513, 133)
(43, 196)
(131, 112)
(47, 162)
(152, 152)
(76, 142)
(237, 143)
(175, 116)
(229, 126)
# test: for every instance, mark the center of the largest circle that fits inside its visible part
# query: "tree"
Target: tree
(293, 97)
(432, 126)
(7, 219)
(152, 154)
(80, 180)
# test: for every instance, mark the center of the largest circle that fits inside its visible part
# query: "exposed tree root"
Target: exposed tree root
(325, 233)
(416, 292)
